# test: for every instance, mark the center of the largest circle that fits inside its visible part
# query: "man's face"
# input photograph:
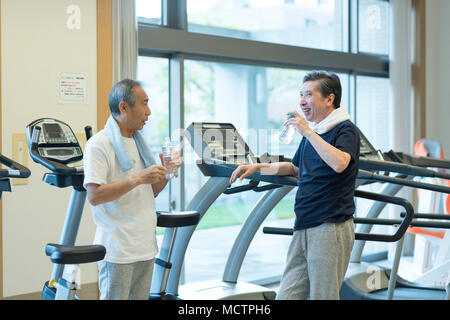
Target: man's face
(314, 106)
(138, 114)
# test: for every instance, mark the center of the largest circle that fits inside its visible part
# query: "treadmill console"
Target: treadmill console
(219, 143)
(55, 140)
(222, 143)
(367, 151)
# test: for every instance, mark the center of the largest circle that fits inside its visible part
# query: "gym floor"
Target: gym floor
(268, 248)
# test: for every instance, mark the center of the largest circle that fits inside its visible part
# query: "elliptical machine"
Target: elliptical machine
(53, 144)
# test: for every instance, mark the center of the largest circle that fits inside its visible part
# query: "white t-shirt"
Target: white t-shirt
(127, 225)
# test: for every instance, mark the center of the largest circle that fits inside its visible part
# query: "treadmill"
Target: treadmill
(392, 286)
(221, 149)
(374, 168)
(433, 158)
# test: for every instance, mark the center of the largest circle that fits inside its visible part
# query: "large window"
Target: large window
(315, 24)
(243, 62)
(373, 22)
(149, 11)
(373, 107)
(255, 100)
(154, 75)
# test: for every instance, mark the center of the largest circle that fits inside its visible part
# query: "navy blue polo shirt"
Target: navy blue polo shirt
(324, 195)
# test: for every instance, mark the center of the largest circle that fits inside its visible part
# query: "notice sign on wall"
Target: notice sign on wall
(73, 88)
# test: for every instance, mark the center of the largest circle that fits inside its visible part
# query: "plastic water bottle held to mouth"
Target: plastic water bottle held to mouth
(287, 133)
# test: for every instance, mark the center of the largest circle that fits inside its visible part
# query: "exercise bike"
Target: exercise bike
(53, 144)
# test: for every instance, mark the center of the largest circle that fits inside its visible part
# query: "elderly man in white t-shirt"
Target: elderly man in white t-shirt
(122, 180)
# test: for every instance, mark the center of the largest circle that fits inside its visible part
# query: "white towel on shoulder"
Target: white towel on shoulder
(334, 118)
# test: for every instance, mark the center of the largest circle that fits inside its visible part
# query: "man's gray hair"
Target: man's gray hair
(122, 91)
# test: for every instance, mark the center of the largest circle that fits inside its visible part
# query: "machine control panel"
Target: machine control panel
(55, 140)
(219, 142)
(366, 150)
(222, 143)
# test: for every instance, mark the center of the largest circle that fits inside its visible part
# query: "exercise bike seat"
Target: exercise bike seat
(177, 219)
(63, 254)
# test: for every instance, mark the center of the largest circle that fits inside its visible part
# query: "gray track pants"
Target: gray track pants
(317, 260)
(130, 281)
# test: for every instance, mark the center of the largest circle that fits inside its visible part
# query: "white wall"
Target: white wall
(437, 73)
(36, 46)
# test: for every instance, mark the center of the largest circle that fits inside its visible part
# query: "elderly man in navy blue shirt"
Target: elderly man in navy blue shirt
(326, 164)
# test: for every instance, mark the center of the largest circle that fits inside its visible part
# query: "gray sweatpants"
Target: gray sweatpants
(130, 281)
(317, 260)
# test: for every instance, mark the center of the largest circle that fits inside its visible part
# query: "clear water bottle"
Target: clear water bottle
(287, 133)
(167, 156)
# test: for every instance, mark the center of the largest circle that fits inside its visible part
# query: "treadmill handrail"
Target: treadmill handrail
(225, 170)
(249, 186)
(414, 222)
(16, 170)
(403, 223)
(402, 228)
(267, 187)
(378, 165)
(421, 161)
(367, 175)
(431, 216)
